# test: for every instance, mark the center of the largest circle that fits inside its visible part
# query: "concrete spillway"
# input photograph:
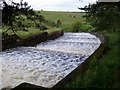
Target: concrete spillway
(46, 63)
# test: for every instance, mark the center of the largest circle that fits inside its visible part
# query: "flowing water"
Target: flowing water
(46, 63)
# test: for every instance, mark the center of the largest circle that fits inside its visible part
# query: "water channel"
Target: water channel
(48, 62)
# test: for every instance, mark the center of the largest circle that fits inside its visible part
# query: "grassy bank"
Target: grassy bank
(103, 72)
(32, 32)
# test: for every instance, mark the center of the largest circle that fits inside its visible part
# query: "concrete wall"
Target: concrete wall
(9, 42)
(14, 41)
(34, 40)
(55, 35)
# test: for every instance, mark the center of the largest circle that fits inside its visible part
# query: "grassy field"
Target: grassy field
(66, 18)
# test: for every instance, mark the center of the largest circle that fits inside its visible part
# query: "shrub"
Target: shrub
(76, 27)
(58, 23)
(42, 27)
(86, 27)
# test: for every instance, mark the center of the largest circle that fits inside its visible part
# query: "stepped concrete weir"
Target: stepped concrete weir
(47, 63)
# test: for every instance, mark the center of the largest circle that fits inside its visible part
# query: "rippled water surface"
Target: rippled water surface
(46, 63)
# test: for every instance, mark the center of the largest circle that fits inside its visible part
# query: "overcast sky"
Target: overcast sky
(57, 5)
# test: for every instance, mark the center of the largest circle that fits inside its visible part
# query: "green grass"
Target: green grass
(23, 34)
(66, 18)
(104, 72)
(32, 32)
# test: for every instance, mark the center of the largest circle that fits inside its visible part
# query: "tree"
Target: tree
(15, 14)
(103, 15)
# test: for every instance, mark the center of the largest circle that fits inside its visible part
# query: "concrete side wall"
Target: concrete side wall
(55, 35)
(14, 41)
(9, 42)
(34, 40)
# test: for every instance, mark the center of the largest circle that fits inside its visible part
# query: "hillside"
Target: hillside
(66, 18)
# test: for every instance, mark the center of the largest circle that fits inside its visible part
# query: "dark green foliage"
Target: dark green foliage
(4, 35)
(16, 16)
(42, 27)
(103, 16)
(50, 23)
(9, 12)
(58, 23)
(78, 26)
(74, 16)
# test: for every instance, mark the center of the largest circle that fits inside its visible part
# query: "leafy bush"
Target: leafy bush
(78, 26)
(103, 16)
(42, 27)
(58, 23)
(19, 16)
(49, 23)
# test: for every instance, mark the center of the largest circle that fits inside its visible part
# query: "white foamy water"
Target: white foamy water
(80, 43)
(47, 63)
